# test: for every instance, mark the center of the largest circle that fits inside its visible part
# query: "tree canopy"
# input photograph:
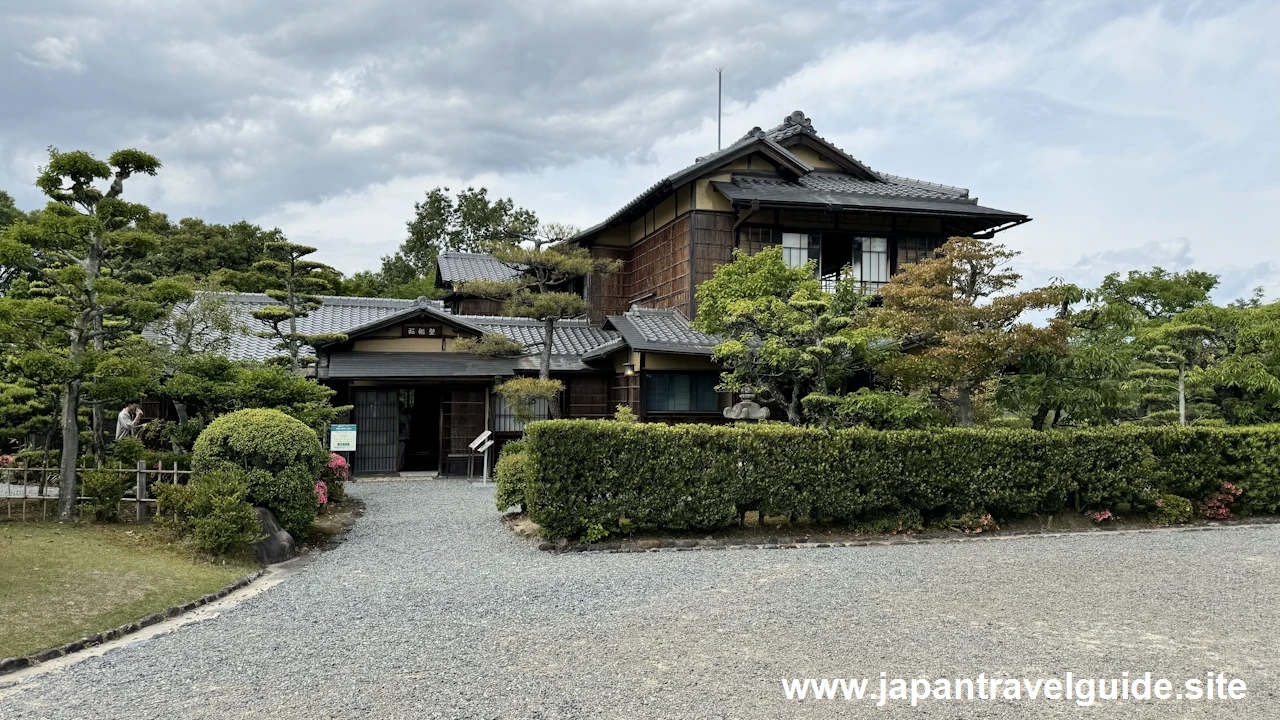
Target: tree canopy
(91, 291)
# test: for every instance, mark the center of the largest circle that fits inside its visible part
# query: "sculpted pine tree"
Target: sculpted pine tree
(90, 294)
(960, 306)
(786, 339)
(543, 269)
(299, 283)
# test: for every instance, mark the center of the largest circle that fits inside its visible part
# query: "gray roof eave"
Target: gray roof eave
(637, 341)
(849, 201)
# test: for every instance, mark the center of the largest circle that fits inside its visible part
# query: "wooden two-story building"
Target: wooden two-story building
(418, 401)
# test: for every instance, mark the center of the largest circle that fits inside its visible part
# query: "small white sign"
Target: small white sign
(342, 438)
(480, 439)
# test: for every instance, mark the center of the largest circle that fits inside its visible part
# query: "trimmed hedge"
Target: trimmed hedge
(281, 455)
(588, 476)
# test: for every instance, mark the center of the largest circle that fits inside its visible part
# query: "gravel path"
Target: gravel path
(432, 610)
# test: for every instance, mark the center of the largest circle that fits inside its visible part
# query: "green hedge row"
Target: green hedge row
(581, 478)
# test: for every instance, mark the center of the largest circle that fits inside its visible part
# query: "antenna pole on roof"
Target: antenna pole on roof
(719, 97)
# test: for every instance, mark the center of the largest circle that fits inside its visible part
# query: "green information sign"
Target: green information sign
(342, 438)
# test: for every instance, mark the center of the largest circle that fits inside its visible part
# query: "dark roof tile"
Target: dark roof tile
(656, 330)
(458, 267)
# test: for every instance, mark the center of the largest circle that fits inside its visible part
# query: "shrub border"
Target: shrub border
(802, 542)
(14, 664)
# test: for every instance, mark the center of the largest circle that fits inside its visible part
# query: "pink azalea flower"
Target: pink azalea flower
(322, 492)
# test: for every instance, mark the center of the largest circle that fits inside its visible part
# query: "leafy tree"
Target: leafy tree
(1245, 377)
(194, 247)
(748, 277)
(546, 266)
(11, 215)
(91, 292)
(961, 307)
(1144, 310)
(209, 385)
(300, 282)
(197, 328)
(794, 349)
(1154, 295)
(467, 222)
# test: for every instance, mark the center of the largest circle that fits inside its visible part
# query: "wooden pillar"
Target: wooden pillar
(140, 490)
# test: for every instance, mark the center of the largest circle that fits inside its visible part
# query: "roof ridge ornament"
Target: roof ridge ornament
(797, 117)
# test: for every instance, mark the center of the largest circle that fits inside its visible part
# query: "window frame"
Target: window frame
(711, 375)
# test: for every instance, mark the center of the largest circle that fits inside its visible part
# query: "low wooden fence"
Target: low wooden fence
(37, 487)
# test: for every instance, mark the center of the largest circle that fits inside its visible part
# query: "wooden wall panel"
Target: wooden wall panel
(659, 267)
(625, 390)
(609, 294)
(476, 306)
(588, 396)
(712, 247)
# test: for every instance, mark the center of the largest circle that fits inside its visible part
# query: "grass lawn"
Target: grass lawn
(59, 583)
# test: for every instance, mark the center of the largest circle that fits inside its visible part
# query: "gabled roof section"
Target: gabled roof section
(654, 330)
(460, 267)
(789, 165)
(421, 308)
(854, 178)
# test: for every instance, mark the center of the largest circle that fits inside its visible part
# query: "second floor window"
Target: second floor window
(800, 248)
(871, 261)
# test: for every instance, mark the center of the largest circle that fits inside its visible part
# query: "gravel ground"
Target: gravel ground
(433, 610)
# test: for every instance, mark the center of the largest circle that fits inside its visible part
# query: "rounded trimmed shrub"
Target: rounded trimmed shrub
(281, 454)
(512, 474)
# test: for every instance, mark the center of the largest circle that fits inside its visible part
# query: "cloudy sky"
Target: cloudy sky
(1135, 133)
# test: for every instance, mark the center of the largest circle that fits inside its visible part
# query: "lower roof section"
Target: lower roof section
(356, 365)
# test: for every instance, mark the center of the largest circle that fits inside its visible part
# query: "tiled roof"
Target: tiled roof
(654, 330)
(337, 314)
(842, 190)
(457, 267)
(861, 180)
(706, 162)
(572, 337)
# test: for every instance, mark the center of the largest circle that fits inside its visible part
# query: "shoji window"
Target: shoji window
(800, 248)
(873, 262)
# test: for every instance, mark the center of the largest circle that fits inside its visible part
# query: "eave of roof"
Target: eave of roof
(415, 365)
(795, 196)
(636, 339)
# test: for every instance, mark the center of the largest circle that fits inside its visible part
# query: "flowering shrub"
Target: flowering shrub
(322, 492)
(974, 523)
(338, 466)
(1099, 515)
(334, 474)
(1218, 507)
(1171, 510)
(6, 460)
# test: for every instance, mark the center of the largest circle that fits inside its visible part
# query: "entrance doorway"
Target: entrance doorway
(419, 431)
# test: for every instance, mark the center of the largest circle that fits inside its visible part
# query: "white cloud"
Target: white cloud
(54, 53)
(1146, 126)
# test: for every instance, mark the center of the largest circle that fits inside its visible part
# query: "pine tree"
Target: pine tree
(299, 282)
(90, 294)
(544, 267)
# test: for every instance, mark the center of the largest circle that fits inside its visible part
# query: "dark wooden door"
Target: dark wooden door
(377, 418)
